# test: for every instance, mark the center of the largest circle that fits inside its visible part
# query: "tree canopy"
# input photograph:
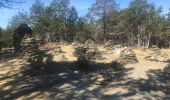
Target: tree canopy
(136, 25)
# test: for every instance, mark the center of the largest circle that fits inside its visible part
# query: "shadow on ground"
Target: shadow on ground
(156, 87)
(65, 81)
(9, 56)
(58, 80)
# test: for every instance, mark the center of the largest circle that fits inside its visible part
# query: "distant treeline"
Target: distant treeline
(140, 24)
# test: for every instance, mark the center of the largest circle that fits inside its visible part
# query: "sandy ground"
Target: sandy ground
(62, 81)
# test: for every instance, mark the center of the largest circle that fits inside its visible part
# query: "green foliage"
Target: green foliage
(6, 37)
(82, 36)
(71, 24)
(60, 9)
(21, 17)
(59, 20)
(1, 30)
(73, 15)
(36, 11)
(104, 11)
(168, 19)
(168, 23)
(141, 18)
(83, 30)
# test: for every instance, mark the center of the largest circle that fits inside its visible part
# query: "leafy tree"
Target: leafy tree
(1, 30)
(138, 23)
(168, 19)
(71, 23)
(60, 13)
(73, 15)
(167, 26)
(83, 30)
(60, 9)
(103, 11)
(141, 20)
(6, 36)
(21, 17)
(36, 11)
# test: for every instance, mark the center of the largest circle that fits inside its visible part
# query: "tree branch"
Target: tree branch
(8, 3)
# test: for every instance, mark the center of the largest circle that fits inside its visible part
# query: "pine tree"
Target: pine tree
(102, 11)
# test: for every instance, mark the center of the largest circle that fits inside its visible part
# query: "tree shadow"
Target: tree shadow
(66, 80)
(62, 80)
(9, 56)
(157, 86)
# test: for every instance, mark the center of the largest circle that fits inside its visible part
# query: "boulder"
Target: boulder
(167, 70)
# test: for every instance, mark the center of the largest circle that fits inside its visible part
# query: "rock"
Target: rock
(80, 50)
(109, 43)
(34, 55)
(49, 59)
(157, 55)
(127, 56)
(118, 51)
(98, 78)
(117, 46)
(57, 49)
(63, 57)
(89, 42)
(74, 44)
(94, 53)
(30, 45)
(167, 69)
(87, 52)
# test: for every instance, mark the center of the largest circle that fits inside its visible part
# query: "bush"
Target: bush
(6, 39)
(81, 36)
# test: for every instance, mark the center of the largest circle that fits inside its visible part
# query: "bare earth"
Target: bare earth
(62, 81)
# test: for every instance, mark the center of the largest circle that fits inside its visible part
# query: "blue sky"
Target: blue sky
(81, 6)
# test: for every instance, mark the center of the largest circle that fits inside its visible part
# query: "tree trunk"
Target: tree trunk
(149, 39)
(132, 40)
(139, 41)
(104, 26)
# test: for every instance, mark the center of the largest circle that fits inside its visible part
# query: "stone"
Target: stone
(117, 51)
(89, 42)
(167, 69)
(157, 55)
(87, 52)
(34, 55)
(109, 43)
(117, 46)
(98, 78)
(127, 56)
